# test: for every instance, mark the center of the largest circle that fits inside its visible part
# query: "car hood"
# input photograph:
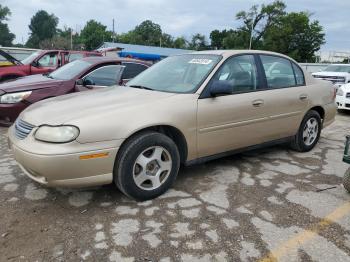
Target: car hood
(27, 83)
(325, 73)
(63, 109)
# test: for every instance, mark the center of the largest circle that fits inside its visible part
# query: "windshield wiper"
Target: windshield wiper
(141, 87)
(48, 76)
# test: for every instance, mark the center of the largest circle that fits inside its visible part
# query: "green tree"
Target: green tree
(57, 42)
(69, 34)
(180, 42)
(146, 33)
(198, 42)
(94, 34)
(217, 38)
(6, 37)
(273, 29)
(42, 26)
(259, 21)
(236, 40)
(167, 40)
(295, 35)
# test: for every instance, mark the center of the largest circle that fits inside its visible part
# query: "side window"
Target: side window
(73, 57)
(279, 72)
(48, 60)
(131, 70)
(299, 75)
(239, 72)
(105, 76)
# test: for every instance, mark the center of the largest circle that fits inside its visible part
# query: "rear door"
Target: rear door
(284, 95)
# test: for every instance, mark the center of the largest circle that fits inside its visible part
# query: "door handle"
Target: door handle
(258, 103)
(303, 97)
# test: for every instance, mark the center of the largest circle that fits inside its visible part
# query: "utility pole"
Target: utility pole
(251, 34)
(113, 32)
(71, 39)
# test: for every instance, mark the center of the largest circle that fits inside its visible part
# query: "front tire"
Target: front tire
(309, 132)
(146, 166)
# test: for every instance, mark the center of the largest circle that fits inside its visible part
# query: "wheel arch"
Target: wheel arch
(170, 131)
(320, 110)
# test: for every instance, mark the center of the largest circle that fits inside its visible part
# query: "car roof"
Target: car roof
(228, 53)
(105, 59)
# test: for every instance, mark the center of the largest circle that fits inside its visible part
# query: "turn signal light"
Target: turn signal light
(86, 157)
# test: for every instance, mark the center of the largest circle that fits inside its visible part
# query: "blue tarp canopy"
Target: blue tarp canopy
(143, 56)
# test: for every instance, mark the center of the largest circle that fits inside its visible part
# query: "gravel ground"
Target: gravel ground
(267, 205)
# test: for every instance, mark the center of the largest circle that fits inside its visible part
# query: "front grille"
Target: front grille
(22, 129)
(347, 95)
(347, 105)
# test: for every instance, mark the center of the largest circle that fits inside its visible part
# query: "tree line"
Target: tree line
(263, 27)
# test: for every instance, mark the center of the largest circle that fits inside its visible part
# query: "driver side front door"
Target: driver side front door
(235, 120)
(46, 64)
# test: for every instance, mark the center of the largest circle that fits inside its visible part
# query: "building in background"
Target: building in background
(149, 53)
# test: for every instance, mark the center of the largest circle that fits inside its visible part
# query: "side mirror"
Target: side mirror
(218, 88)
(79, 82)
(88, 82)
(35, 64)
(84, 82)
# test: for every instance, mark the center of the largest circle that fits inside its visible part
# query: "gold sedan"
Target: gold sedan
(185, 110)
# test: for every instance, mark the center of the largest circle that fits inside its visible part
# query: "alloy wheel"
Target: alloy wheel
(152, 168)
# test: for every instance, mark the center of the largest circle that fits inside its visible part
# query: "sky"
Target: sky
(176, 17)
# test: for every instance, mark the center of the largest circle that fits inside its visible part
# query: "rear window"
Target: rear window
(279, 71)
(131, 70)
(73, 57)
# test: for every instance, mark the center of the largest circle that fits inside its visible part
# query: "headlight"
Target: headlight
(340, 92)
(13, 98)
(57, 134)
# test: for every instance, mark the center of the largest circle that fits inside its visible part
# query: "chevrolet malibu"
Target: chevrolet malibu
(186, 109)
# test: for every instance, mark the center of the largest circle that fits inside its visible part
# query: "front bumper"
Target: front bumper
(343, 102)
(65, 164)
(9, 112)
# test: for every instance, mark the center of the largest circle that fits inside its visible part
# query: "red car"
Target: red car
(41, 62)
(80, 75)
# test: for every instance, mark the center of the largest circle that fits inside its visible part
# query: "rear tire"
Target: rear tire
(146, 166)
(309, 132)
(346, 180)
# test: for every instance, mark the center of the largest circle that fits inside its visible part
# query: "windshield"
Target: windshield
(177, 74)
(338, 68)
(70, 70)
(30, 58)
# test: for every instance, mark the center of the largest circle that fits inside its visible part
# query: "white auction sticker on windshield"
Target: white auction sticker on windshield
(200, 61)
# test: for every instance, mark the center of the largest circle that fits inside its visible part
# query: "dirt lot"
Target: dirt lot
(240, 208)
